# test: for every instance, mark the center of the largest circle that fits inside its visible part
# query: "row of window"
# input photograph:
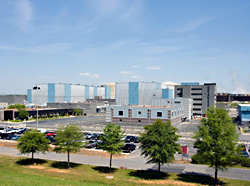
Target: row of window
(159, 114)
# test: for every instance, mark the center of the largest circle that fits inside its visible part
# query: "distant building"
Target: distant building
(13, 99)
(203, 96)
(141, 93)
(244, 113)
(226, 97)
(42, 94)
(143, 115)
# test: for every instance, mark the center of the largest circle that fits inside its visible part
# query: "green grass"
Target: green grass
(17, 171)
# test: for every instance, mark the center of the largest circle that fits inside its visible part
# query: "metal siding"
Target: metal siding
(51, 93)
(107, 92)
(158, 85)
(154, 113)
(29, 96)
(116, 112)
(86, 93)
(133, 93)
(147, 92)
(91, 92)
(165, 93)
(59, 93)
(101, 92)
(144, 113)
(67, 93)
(95, 91)
(77, 93)
(122, 93)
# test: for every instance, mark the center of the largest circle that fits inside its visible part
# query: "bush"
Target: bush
(23, 114)
(199, 159)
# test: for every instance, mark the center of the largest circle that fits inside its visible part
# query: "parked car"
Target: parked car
(129, 147)
(136, 140)
(50, 138)
(89, 136)
(91, 144)
(9, 136)
(129, 139)
(15, 137)
(98, 144)
(22, 131)
(50, 133)
(3, 135)
(245, 154)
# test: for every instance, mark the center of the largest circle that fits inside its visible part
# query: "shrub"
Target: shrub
(199, 159)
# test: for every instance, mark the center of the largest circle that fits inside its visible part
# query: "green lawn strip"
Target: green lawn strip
(16, 171)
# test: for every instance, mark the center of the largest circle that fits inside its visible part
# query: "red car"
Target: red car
(50, 133)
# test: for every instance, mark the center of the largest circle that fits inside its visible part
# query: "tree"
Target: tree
(216, 139)
(16, 106)
(23, 114)
(78, 112)
(33, 142)
(158, 143)
(112, 140)
(68, 139)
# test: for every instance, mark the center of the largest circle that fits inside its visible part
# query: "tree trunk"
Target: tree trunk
(32, 159)
(159, 170)
(68, 158)
(110, 163)
(216, 172)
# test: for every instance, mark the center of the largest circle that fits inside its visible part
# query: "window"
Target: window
(120, 120)
(194, 94)
(196, 89)
(120, 113)
(177, 102)
(159, 114)
(197, 104)
(139, 112)
(172, 114)
(139, 121)
(197, 99)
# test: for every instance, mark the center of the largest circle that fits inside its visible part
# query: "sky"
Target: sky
(95, 42)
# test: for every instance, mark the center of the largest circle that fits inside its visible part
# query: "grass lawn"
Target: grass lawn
(18, 171)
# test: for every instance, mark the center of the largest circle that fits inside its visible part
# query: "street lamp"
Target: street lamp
(37, 117)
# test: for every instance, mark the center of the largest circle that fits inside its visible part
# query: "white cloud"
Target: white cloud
(135, 66)
(45, 77)
(25, 13)
(136, 77)
(154, 68)
(193, 25)
(126, 72)
(87, 74)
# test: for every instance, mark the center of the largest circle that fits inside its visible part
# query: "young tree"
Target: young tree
(216, 139)
(77, 112)
(33, 142)
(112, 140)
(68, 139)
(159, 143)
(23, 114)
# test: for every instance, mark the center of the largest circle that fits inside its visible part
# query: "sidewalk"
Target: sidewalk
(138, 163)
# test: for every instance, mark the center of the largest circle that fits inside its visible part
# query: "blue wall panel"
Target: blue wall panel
(158, 85)
(133, 93)
(51, 93)
(165, 94)
(67, 93)
(29, 96)
(107, 92)
(86, 93)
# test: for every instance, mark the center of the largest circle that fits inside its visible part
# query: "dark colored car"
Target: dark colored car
(129, 139)
(98, 145)
(129, 147)
(3, 135)
(91, 144)
(136, 140)
(50, 138)
(21, 131)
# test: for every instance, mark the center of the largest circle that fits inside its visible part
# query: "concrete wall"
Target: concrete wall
(13, 99)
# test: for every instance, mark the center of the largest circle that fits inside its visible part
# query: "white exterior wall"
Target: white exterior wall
(147, 91)
(91, 92)
(101, 91)
(77, 93)
(59, 93)
(136, 114)
(40, 97)
(163, 111)
(122, 93)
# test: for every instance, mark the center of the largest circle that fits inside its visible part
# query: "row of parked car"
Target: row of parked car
(11, 133)
(95, 142)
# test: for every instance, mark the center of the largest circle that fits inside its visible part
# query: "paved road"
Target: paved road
(133, 161)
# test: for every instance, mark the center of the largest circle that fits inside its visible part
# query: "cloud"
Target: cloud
(87, 74)
(135, 66)
(154, 68)
(24, 13)
(136, 77)
(126, 72)
(39, 49)
(193, 25)
(45, 77)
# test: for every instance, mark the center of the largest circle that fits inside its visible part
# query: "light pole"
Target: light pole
(37, 116)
